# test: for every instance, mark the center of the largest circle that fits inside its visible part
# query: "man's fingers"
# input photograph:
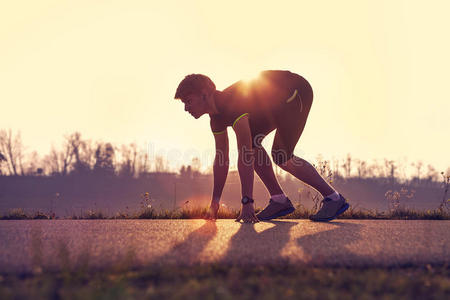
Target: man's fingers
(250, 219)
(255, 218)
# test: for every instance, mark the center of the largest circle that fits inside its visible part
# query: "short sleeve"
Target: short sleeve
(217, 125)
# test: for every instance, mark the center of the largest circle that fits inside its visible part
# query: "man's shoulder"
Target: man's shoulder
(217, 122)
(233, 88)
(271, 75)
(277, 74)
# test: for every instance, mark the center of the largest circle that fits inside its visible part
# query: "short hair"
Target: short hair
(194, 84)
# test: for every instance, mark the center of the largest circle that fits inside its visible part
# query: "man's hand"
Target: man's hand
(247, 214)
(213, 209)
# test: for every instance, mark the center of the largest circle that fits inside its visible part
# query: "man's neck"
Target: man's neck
(213, 105)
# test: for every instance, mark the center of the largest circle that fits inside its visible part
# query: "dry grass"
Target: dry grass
(232, 282)
(227, 213)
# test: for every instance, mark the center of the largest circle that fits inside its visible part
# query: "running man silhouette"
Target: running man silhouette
(276, 100)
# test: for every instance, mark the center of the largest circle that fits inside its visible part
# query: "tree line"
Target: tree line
(78, 156)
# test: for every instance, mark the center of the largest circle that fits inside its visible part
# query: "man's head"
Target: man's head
(196, 91)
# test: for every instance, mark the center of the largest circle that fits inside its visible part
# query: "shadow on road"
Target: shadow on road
(189, 249)
(250, 246)
(330, 246)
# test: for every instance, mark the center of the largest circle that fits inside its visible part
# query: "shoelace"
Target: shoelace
(321, 202)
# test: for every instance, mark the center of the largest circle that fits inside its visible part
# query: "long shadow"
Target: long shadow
(330, 247)
(248, 246)
(188, 251)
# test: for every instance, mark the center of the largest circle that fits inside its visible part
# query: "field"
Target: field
(231, 282)
(225, 213)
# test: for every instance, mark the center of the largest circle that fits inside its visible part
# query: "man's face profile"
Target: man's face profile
(195, 105)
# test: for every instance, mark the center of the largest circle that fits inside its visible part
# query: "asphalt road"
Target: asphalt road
(55, 244)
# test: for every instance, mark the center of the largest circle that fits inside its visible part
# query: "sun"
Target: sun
(249, 76)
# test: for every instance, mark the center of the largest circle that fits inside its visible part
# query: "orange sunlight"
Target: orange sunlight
(250, 75)
(366, 66)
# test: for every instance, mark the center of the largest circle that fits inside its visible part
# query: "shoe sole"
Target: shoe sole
(279, 214)
(340, 211)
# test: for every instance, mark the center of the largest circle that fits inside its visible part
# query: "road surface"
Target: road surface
(31, 245)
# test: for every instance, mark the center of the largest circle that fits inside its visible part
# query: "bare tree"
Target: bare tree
(66, 156)
(375, 169)
(104, 159)
(361, 168)
(401, 169)
(186, 172)
(33, 165)
(336, 171)
(347, 166)
(432, 174)
(129, 155)
(390, 168)
(61, 162)
(134, 162)
(160, 164)
(13, 149)
(2, 159)
(418, 167)
(143, 163)
(83, 153)
(88, 153)
(51, 162)
(196, 166)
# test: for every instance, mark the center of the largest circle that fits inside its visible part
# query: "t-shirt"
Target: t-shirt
(261, 99)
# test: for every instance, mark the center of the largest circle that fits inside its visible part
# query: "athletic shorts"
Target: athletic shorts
(290, 120)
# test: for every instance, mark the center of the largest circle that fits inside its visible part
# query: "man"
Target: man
(276, 100)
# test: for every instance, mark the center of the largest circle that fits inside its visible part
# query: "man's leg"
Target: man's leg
(333, 203)
(264, 169)
(279, 205)
(291, 122)
(305, 172)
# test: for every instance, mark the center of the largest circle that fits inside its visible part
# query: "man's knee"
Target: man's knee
(289, 163)
(296, 161)
(280, 157)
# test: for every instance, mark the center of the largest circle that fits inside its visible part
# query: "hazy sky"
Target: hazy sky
(109, 69)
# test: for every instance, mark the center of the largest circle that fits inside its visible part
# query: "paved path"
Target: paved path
(34, 244)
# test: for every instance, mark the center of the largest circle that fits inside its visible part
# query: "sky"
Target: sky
(109, 69)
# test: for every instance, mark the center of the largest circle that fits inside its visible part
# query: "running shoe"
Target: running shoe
(330, 209)
(275, 209)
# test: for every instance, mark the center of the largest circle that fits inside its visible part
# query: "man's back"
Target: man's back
(263, 88)
(261, 98)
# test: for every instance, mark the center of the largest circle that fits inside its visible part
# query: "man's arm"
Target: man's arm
(221, 163)
(245, 158)
(245, 167)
